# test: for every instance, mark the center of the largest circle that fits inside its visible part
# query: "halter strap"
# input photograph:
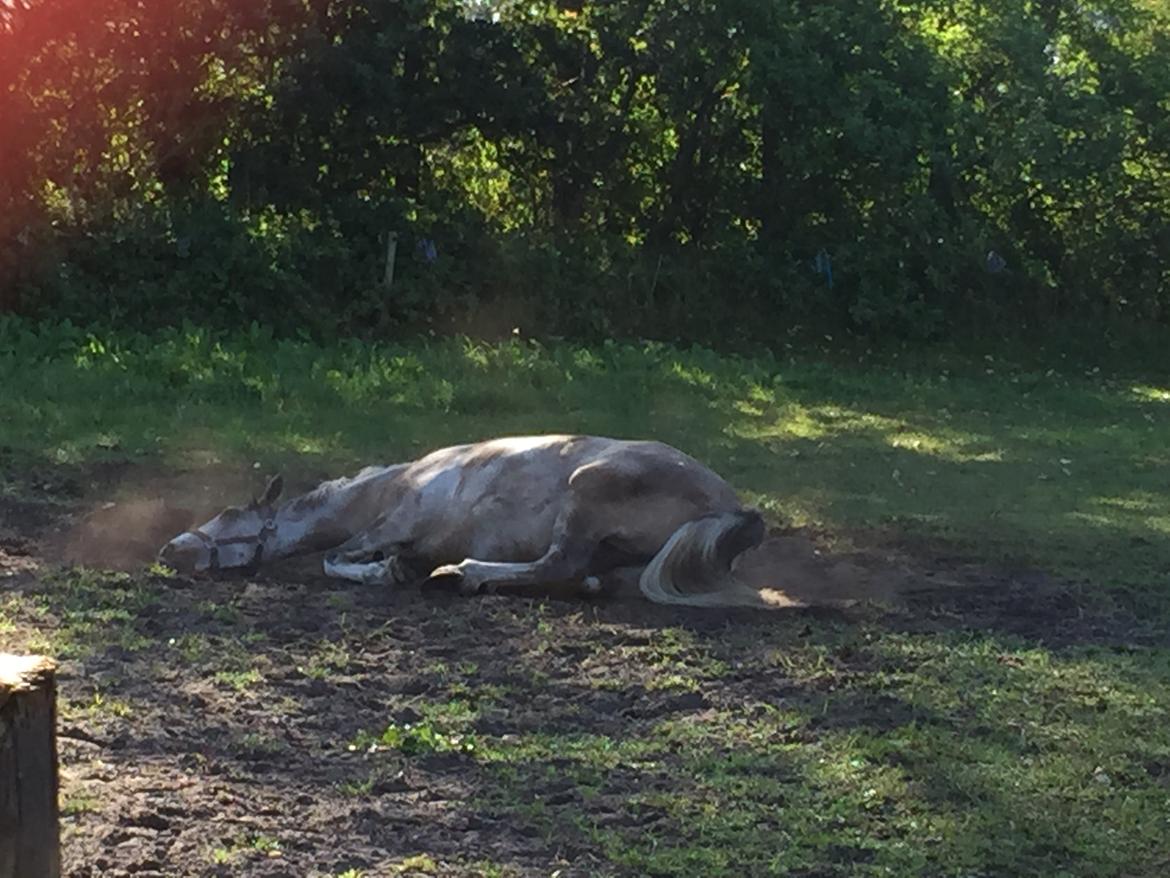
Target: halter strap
(212, 545)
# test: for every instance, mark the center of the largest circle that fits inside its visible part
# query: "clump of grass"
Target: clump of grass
(412, 739)
(443, 727)
(77, 804)
(419, 863)
(328, 658)
(239, 680)
(259, 745)
(103, 705)
(264, 845)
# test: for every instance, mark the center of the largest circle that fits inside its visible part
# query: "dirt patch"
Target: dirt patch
(214, 728)
(791, 571)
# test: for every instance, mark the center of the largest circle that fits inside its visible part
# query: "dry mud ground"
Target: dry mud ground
(215, 727)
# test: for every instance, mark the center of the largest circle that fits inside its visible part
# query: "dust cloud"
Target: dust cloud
(143, 512)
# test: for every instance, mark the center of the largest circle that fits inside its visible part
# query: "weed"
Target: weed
(242, 844)
(443, 728)
(258, 745)
(330, 657)
(420, 863)
(102, 705)
(413, 739)
(239, 680)
(78, 803)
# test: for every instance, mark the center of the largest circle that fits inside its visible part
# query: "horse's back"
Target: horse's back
(496, 500)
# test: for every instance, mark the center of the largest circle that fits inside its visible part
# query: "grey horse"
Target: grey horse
(522, 511)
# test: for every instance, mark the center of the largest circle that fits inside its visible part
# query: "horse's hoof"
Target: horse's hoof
(449, 576)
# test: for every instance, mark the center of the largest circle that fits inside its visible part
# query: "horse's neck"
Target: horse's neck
(334, 511)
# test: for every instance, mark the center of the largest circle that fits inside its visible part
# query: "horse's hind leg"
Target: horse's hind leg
(560, 563)
(566, 559)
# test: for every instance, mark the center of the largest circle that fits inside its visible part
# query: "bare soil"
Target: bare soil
(216, 738)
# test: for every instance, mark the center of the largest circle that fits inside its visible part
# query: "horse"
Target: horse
(510, 512)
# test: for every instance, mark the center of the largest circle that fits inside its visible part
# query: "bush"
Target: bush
(697, 170)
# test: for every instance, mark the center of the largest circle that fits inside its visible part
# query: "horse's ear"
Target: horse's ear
(272, 492)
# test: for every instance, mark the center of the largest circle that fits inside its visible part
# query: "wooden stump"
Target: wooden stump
(29, 835)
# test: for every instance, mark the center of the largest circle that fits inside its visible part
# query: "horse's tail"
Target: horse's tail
(694, 567)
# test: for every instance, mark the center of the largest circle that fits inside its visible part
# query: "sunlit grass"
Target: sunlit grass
(944, 755)
(1146, 393)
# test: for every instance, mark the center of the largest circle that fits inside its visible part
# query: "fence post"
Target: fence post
(391, 254)
(29, 833)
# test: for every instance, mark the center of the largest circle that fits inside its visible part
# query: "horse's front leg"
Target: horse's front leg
(357, 560)
(393, 570)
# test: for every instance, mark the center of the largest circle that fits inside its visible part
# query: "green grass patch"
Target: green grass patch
(1064, 467)
(239, 680)
(443, 727)
(950, 755)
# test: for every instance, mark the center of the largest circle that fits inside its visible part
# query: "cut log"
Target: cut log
(29, 834)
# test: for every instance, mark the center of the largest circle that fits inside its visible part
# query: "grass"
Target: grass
(1064, 467)
(950, 755)
(883, 749)
(239, 680)
(76, 805)
(255, 844)
(331, 657)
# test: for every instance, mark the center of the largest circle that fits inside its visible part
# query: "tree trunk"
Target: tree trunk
(29, 841)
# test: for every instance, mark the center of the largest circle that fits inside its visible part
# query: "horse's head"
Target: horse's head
(236, 538)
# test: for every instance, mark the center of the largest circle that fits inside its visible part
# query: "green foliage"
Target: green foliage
(662, 169)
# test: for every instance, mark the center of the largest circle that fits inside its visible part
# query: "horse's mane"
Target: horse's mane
(325, 491)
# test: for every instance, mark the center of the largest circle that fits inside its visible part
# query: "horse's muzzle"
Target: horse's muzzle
(183, 553)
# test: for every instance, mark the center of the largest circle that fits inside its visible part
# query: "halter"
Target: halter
(212, 545)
